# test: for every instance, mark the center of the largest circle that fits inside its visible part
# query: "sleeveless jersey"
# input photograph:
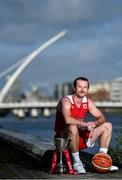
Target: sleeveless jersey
(78, 113)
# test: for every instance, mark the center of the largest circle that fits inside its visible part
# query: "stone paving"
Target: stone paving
(18, 162)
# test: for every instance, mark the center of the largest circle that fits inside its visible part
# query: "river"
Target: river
(43, 127)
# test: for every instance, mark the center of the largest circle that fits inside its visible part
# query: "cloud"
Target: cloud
(92, 45)
(37, 16)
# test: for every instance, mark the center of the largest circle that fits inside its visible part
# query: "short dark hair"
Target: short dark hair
(80, 78)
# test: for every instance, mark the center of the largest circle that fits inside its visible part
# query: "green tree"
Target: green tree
(116, 152)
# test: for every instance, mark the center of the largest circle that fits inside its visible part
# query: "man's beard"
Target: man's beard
(79, 94)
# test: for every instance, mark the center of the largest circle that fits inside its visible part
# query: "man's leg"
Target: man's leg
(74, 134)
(104, 133)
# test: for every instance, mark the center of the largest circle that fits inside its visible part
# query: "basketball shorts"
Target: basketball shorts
(84, 141)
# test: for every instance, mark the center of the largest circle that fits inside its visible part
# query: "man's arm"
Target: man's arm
(65, 108)
(100, 118)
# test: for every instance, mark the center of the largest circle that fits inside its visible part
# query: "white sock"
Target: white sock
(104, 150)
(76, 157)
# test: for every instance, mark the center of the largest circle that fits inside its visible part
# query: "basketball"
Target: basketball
(101, 162)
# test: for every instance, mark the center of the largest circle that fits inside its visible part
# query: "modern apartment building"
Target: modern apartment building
(62, 90)
(116, 90)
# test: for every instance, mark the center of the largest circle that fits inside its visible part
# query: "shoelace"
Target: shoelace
(81, 164)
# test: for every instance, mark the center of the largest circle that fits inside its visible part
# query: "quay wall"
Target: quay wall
(27, 143)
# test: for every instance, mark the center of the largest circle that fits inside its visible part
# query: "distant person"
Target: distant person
(70, 115)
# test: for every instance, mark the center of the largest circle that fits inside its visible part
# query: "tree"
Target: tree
(116, 152)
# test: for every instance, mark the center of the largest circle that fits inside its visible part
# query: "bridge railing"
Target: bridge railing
(53, 104)
(28, 105)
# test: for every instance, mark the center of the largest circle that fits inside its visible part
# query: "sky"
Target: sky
(92, 46)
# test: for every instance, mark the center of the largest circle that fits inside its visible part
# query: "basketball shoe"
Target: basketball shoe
(78, 167)
(113, 168)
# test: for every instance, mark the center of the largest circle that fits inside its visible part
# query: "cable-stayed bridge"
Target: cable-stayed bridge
(21, 66)
(24, 63)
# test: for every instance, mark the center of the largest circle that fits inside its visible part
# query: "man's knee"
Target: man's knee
(108, 125)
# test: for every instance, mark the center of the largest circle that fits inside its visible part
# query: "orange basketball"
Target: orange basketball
(102, 162)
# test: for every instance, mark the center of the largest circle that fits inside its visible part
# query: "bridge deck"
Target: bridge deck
(53, 104)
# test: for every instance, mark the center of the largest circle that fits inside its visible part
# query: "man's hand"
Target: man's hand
(91, 125)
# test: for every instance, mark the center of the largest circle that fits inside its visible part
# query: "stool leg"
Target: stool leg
(54, 161)
(68, 159)
(61, 170)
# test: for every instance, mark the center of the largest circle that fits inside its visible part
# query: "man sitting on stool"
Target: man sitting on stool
(71, 111)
